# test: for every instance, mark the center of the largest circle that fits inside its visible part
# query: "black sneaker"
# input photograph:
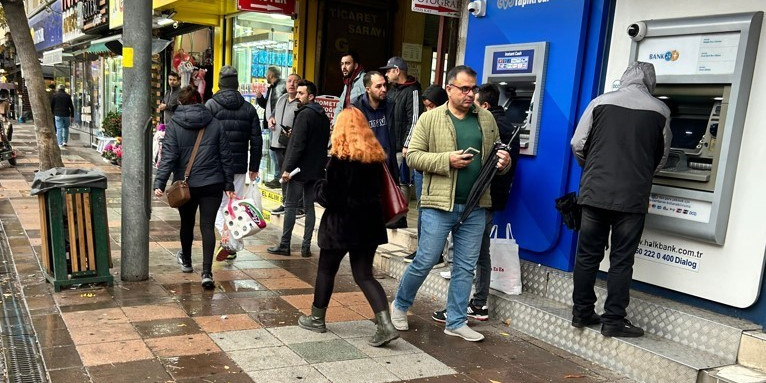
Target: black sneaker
(186, 267)
(273, 184)
(439, 316)
(625, 330)
(410, 257)
(278, 211)
(300, 214)
(478, 313)
(585, 322)
(207, 280)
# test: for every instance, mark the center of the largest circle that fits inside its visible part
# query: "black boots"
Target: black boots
(385, 332)
(315, 321)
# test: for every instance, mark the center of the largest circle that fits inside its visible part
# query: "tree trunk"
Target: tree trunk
(47, 146)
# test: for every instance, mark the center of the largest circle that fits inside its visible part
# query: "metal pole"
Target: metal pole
(136, 114)
(440, 53)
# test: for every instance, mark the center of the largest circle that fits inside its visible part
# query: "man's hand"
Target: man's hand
(162, 107)
(504, 159)
(258, 94)
(232, 195)
(458, 160)
(71, 120)
(404, 152)
(285, 177)
(272, 123)
(253, 175)
(158, 193)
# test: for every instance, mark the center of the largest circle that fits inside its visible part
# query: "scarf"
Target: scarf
(348, 82)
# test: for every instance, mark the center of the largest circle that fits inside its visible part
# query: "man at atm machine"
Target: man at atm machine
(622, 141)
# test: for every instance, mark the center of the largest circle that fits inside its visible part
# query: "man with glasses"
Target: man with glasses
(439, 148)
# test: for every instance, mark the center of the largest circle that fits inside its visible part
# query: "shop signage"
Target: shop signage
(449, 8)
(71, 20)
(46, 27)
(53, 57)
(94, 13)
(285, 7)
(328, 103)
(711, 54)
(116, 13)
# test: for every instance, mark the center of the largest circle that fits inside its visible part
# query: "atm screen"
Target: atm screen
(687, 132)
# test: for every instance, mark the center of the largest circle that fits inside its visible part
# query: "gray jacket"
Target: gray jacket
(621, 141)
(284, 114)
(357, 89)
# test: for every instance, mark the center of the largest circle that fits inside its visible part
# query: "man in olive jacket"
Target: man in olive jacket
(437, 149)
(306, 151)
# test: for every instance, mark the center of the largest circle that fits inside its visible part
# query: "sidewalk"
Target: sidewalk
(169, 329)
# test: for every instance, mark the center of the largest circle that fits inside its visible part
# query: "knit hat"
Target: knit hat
(435, 94)
(227, 77)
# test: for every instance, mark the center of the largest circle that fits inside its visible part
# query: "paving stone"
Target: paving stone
(355, 371)
(266, 358)
(395, 347)
(139, 371)
(413, 366)
(245, 339)
(354, 329)
(327, 351)
(300, 374)
(181, 345)
(294, 334)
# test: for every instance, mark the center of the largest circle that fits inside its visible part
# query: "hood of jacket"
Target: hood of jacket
(192, 117)
(312, 106)
(640, 74)
(364, 101)
(229, 99)
(410, 81)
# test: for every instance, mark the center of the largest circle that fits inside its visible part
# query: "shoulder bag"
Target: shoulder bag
(178, 192)
(395, 206)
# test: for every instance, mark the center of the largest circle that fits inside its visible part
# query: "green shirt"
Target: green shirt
(467, 134)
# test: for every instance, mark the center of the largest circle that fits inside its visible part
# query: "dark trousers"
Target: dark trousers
(361, 268)
(280, 153)
(208, 199)
(296, 190)
(483, 267)
(626, 231)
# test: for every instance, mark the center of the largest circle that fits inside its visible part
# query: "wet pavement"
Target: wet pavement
(169, 329)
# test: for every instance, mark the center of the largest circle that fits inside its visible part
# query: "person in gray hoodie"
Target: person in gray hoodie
(210, 175)
(621, 141)
(239, 120)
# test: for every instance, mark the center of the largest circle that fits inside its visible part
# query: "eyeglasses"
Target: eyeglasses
(466, 89)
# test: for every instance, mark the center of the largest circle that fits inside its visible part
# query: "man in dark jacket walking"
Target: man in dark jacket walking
(239, 120)
(621, 141)
(307, 151)
(170, 101)
(405, 93)
(63, 113)
(379, 111)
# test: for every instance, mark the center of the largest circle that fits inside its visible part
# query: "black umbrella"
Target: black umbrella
(488, 171)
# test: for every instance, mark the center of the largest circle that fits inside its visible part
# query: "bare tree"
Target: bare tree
(47, 146)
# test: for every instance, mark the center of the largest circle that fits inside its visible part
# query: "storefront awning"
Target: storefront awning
(99, 46)
(201, 12)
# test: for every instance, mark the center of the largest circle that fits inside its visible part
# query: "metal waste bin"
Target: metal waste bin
(73, 226)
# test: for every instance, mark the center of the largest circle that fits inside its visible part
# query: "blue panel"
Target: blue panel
(572, 77)
(46, 27)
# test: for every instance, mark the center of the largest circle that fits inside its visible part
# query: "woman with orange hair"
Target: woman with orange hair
(352, 222)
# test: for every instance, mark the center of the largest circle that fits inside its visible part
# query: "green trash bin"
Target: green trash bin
(73, 226)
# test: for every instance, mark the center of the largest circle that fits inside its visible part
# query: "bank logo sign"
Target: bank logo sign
(506, 4)
(666, 56)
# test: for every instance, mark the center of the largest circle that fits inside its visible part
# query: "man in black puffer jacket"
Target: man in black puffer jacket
(240, 122)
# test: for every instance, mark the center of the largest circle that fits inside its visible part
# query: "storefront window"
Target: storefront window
(113, 84)
(261, 41)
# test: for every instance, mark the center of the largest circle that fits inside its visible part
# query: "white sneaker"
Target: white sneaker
(399, 318)
(466, 333)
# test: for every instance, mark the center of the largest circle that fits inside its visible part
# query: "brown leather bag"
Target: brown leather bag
(395, 206)
(178, 192)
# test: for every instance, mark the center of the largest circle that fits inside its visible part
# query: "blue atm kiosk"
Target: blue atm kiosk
(547, 56)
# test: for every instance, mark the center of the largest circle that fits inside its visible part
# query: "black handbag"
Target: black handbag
(284, 135)
(570, 210)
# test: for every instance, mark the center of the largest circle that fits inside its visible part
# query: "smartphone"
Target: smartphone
(471, 151)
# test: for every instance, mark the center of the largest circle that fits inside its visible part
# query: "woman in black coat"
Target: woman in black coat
(352, 222)
(210, 175)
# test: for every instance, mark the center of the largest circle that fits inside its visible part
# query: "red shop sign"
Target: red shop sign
(285, 7)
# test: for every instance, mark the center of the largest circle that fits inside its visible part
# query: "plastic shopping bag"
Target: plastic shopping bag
(243, 217)
(506, 269)
(231, 244)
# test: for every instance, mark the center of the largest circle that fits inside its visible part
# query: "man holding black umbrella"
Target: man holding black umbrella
(441, 147)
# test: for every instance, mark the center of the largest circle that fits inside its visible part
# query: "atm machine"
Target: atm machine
(704, 68)
(519, 72)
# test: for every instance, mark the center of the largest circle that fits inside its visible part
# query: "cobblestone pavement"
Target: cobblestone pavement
(169, 329)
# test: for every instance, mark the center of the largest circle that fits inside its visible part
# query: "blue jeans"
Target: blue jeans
(467, 242)
(417, 178)
(62, 129)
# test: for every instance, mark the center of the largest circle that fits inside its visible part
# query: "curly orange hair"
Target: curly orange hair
(353, 139)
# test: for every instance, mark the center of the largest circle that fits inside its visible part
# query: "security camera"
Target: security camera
(637, 31)
(175, 25)
(478, 8)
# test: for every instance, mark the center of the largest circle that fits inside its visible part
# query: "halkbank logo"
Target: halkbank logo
(505, 4)
(667, 56)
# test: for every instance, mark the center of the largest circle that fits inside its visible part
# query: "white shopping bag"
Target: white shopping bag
(243, 217)
(506, 269)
